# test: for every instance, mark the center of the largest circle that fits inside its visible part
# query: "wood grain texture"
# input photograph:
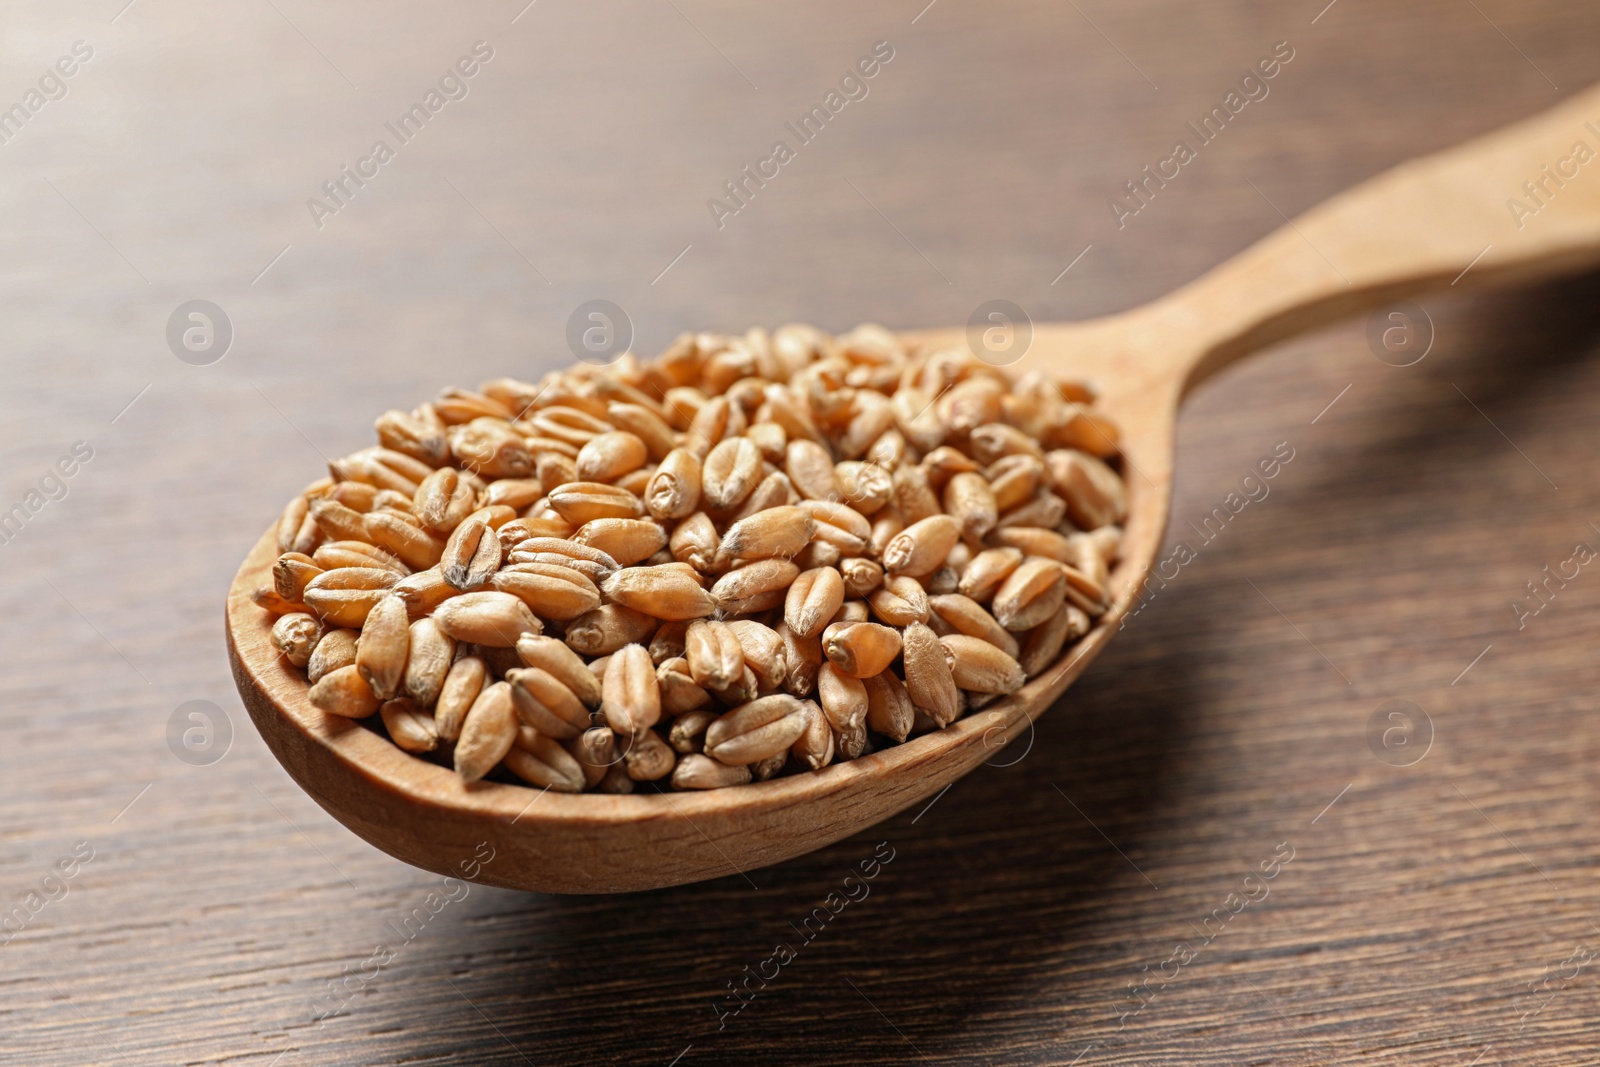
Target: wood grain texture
(1419, 906)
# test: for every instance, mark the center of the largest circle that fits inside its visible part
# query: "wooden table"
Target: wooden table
(1440, 910)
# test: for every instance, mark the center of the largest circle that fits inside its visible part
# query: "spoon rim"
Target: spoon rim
(420, 812)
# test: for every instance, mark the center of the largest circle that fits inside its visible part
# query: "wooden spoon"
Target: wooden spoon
(1435, 222)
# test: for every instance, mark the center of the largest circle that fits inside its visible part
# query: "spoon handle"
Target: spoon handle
(1514, 205)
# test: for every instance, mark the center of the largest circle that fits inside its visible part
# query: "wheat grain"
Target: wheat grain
(756, 554)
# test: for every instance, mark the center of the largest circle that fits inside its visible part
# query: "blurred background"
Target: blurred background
(1440, 901)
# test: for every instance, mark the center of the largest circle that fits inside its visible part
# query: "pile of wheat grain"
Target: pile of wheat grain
(752, 555)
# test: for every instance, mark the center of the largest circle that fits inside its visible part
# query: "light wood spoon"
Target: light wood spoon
(1411, 229)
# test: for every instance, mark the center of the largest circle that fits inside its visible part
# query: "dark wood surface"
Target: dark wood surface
(1440, 913)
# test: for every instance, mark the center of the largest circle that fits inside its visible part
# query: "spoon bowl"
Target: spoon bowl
(1443, 220)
